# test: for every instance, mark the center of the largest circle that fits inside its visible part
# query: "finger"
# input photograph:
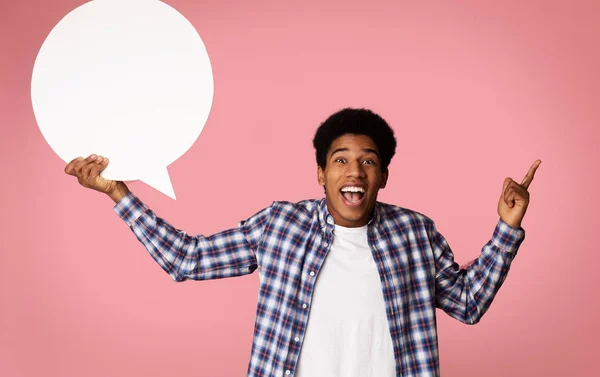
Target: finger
(97, 167)
(80, 168)
(70, 168)
(94, 158)
(516, 194)
(509, 197)
(80, 164)
(91, 159)
(530, 174)
(86, 170)
(506, 183)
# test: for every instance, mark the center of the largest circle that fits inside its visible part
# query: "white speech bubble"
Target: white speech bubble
(127, 79)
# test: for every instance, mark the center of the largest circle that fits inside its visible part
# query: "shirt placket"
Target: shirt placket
(303, 307)
(394, 318)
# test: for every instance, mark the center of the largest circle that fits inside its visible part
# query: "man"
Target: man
(382, 269)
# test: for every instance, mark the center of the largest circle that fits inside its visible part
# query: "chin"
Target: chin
(354, 215)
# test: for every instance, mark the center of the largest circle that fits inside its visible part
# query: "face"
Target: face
(352, 178)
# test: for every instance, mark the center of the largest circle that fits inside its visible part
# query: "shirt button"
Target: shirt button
(312, 273)
(297, 339)
(304, 306)
(287, 372)
(326, 244)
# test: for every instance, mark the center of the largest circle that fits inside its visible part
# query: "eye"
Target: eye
(339, 159)
(368, 162)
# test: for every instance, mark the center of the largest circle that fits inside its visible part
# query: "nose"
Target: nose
(355, 169)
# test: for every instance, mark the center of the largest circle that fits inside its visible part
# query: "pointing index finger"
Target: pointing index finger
(529, 177)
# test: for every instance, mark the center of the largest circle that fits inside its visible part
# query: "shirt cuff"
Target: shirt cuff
(130, 208)
(507, 238)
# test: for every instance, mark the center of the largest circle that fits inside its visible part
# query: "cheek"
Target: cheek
(331, 177)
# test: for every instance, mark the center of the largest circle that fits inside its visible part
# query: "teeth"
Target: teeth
(353, 189)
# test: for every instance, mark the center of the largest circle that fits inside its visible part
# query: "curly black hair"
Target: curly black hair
(358, 122)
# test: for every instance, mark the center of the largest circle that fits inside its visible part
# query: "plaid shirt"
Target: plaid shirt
(288, 242)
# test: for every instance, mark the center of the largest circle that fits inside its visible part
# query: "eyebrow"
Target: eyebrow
(368, 150)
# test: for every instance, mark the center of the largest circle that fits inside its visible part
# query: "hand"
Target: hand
(88, 171)
(515, 198)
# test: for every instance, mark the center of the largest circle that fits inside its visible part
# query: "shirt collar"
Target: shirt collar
(325, 219)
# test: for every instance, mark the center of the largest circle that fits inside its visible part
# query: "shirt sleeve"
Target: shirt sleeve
(225, 254)
(466, 293)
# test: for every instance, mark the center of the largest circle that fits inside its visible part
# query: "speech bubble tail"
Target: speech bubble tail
(160, 180)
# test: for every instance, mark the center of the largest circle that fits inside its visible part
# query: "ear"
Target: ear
(384, 178)
(320, 176)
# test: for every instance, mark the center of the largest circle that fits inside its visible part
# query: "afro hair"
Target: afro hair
(358, 122)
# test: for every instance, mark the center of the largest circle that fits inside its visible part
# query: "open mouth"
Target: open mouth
(353, 196)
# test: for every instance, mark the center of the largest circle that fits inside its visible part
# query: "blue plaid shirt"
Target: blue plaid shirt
(288, 243)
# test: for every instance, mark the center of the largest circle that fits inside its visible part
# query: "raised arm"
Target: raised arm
(466, 293)
(225, 254)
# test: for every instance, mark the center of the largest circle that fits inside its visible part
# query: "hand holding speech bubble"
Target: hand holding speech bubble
(127, 79)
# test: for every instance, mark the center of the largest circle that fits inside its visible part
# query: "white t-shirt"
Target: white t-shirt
(347, 332)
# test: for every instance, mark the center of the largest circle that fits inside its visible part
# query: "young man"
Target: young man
(348, 285)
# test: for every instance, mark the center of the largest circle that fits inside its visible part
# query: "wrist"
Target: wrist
(118, 192)
(512, 224)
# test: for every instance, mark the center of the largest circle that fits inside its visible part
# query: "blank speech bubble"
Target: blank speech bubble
(127, 79)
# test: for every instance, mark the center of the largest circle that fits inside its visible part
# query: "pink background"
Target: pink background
(476, 91)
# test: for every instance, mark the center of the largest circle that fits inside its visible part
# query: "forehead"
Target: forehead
(353, 142)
